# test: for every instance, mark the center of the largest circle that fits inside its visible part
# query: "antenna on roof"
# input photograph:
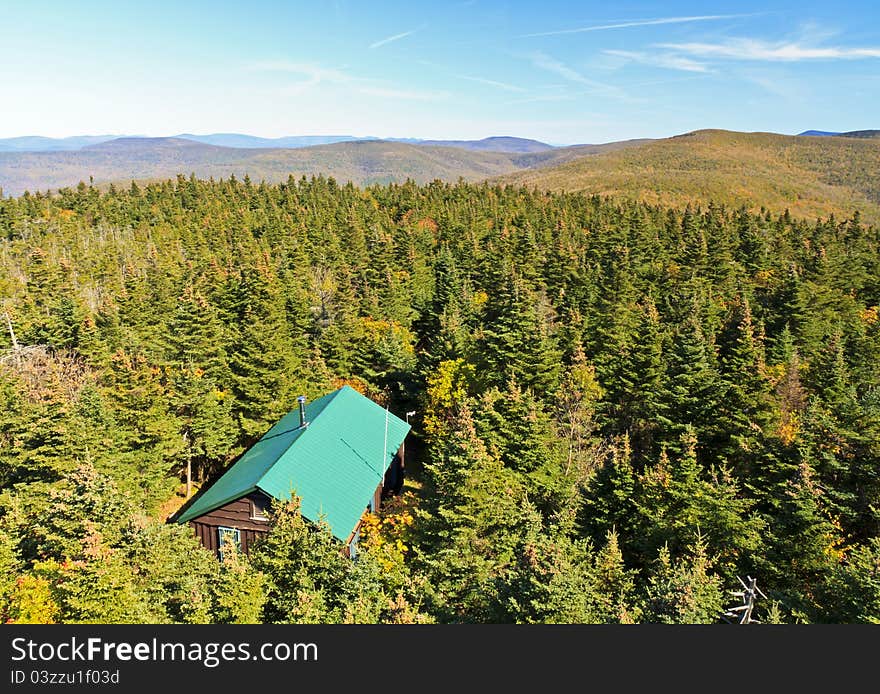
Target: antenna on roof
(385, 442)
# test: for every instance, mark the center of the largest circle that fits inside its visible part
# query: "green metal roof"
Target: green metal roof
(334, 464)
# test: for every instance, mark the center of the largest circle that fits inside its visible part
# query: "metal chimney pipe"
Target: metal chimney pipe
(302, 411)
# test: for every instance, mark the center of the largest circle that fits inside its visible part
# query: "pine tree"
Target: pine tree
(149, 441)
(199, 371)
(238, 593)
(854, 588)
(10, 567)
(552, 581)
(609, 502)
(634, 399)
(576, 402)
(678, 502)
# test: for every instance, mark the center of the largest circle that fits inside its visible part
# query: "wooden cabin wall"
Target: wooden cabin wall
(235, 514)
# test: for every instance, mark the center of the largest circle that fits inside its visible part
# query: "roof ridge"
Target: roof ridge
(280, 433)
(330, 398)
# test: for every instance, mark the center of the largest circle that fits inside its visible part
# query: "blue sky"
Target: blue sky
(562, 72)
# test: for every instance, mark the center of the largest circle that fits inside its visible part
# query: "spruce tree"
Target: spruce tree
(683, 590)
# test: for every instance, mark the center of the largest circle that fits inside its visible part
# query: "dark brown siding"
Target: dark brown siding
(377, 499)
(235, 514)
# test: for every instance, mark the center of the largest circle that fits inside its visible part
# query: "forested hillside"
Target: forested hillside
(620, 407)
(809, 176)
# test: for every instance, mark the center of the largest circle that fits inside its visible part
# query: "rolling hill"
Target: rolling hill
(487, 144)
(810, 176)
(361, 162)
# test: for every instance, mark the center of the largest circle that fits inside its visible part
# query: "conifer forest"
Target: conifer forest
(621, 409)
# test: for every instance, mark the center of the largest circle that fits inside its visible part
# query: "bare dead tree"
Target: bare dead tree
(742, 614)
(15, 345)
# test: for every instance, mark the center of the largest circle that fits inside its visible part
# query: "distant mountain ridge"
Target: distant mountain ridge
(241, 141)
(362, 162)
(861, 134)
(123, 144)
(818, 133)
(495, 143)
(492, 144)
(38, 143)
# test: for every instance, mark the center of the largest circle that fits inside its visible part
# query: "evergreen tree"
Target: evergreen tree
(552, 581)
(517, 340)
(472, 524)
(745, 410)
(854, 587)
(613, 586)
(691, 390)
(262, 360)
(580, 366)
(683, 591)
(304, 569)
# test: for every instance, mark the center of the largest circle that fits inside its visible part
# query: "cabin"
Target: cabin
(337, 454)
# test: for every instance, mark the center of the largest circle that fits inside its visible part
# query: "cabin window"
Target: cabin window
(260, 508)
(228, 537)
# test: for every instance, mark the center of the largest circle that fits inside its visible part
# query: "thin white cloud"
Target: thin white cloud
(312, 71)
(312, 74)
(406, 94)
(396, 37)
(493, 83)
(541, 98)
(778, 84)
(654, 83)
(545, 62)
(664, 60)
(639, 23)
(753, 49)
(550, 64)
